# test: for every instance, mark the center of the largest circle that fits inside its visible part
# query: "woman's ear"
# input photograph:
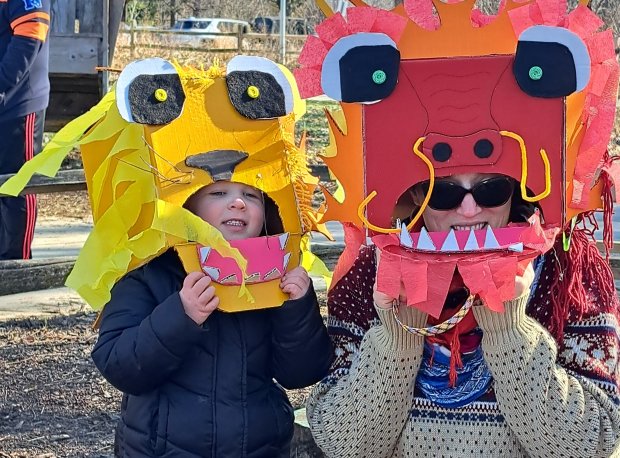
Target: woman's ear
(417, 196)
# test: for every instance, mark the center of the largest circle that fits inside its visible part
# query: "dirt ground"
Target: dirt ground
(53, 401)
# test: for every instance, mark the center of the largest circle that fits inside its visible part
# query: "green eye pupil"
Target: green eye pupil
(379, 77)
(535, 73)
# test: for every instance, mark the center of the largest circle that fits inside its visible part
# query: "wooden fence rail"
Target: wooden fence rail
(223, 42)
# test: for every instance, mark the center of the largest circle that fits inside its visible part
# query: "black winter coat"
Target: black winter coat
(205, 391)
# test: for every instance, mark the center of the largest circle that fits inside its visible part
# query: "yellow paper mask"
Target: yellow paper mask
(166, 132)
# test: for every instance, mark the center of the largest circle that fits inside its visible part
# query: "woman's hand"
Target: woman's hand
(198, 297)
(295, 283)
(382, 300)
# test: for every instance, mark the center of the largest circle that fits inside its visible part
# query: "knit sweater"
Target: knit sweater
(546, 399)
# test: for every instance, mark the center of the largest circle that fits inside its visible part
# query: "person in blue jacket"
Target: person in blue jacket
(199, 382)
(24, 95)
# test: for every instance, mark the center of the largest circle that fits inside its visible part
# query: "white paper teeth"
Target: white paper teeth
(232, 279)
(212, 272)
(283, 239)
(425, 242)
(287, 258)
(205, 251)
(490, 241)
(517, 247)
(450, 244)
(405, 237)
(272, 274)
(472, 243)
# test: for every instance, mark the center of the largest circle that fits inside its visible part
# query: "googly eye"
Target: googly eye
(150, 92)
(253, 92)
(258, 88)
(161, 95)
(551, 62)
(361, 68)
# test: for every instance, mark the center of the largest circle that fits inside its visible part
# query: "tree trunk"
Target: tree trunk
(173, 12)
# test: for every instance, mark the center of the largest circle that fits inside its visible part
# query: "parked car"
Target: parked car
(271, 24)
(197, 31)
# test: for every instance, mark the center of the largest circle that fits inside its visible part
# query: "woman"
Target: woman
(540, 379)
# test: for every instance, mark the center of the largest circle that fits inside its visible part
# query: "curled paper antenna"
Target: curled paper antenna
(523, 182)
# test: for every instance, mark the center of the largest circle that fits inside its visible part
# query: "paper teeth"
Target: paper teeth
(212, 272)
(490, 240)
(450, 244)
(253, 278)
(205, 251)
(232, 278)
(286, 259)
(283, 240)
(517, 247)
(472, 243)
(405, 237)
(425, 242)
(272, 274)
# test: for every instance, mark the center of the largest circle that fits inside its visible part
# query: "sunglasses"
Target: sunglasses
(489, 193)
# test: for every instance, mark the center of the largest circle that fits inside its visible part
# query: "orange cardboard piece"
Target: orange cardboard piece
(350, 172)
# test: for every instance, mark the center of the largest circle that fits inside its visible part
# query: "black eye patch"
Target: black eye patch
(545, 69)
(256, 95)
(156, 99)
(368, 73)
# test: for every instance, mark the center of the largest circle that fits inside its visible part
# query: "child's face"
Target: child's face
(235, 209)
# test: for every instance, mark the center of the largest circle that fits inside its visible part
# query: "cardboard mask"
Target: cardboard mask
(529, 93)
(166, 132)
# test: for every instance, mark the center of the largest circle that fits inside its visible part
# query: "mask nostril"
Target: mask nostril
(483, 148)
(442, 152)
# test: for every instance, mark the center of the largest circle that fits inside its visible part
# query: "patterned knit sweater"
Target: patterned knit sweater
(546, 399)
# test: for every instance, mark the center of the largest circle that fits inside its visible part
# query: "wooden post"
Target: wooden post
(132, 41)
(240, 37)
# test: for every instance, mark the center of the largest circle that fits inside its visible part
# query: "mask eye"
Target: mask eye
(361, 68)
(551, 62)
(258, 88)
(149, 91)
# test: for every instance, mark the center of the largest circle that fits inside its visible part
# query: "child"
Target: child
(198, 382)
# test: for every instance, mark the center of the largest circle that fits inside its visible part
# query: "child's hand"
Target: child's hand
(198, 297)
(295, 283)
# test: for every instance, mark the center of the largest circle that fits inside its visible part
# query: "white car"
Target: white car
(197, 31)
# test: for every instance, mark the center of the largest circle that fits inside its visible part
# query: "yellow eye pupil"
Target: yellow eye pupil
(253, 92)
(161, 95)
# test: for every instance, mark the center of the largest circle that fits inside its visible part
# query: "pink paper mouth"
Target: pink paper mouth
(488, 264)
(267, 260)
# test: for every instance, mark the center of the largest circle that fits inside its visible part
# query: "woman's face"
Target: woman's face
(468, 215)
